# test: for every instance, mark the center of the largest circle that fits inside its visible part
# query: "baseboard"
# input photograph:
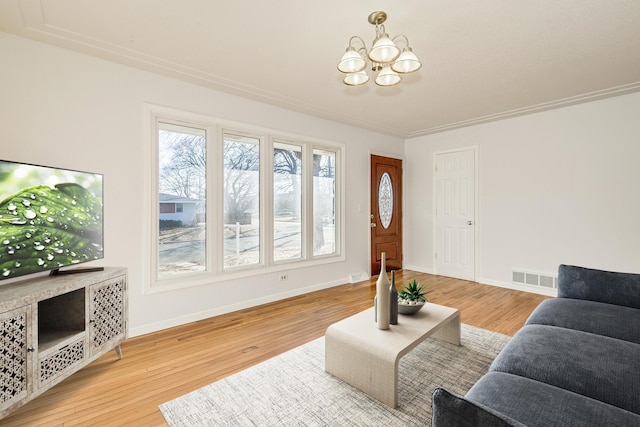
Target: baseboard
(508, 285)
(194, 317)
(418, 269)
(525, 288)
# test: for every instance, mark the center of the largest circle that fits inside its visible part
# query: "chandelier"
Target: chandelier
(385, 57)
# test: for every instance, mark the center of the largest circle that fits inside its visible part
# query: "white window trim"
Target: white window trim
(215, 272)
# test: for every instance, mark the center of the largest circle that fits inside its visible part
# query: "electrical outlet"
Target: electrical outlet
(283, 277)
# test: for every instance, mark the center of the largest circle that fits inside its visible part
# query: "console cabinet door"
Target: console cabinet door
(16, 356)
(107, 308)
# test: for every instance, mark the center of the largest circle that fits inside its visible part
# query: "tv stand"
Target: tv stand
(52, 326)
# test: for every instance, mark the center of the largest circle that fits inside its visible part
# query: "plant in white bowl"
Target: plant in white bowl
(412, 298)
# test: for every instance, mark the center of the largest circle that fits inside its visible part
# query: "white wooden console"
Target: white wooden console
(52, 326)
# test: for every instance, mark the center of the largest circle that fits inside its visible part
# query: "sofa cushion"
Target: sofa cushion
(598, 318)
(603, 368)
(449, 409)
(534, 403)
(598, 285)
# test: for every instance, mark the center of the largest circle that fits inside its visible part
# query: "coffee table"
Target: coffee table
(366, 357)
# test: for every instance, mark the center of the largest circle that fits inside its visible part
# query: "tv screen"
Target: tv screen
(49, 218)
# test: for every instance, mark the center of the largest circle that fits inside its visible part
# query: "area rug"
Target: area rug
(293, 389)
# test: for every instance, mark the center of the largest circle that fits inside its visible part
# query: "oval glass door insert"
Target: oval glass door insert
(385, 200)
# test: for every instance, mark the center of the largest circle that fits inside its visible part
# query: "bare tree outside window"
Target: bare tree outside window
(183, 169)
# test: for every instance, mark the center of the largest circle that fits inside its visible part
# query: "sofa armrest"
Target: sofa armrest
(449, 409)
(599, 285)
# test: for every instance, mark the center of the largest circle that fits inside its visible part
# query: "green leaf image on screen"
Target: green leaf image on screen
(44, 228)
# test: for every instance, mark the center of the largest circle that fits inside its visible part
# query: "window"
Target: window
(237, 200)
(241, 191)
(182, 181)
(324, 202)
(287, 201)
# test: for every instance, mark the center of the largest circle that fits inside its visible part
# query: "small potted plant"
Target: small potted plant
(412, 298)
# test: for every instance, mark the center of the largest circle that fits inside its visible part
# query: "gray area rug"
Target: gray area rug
(293, 389)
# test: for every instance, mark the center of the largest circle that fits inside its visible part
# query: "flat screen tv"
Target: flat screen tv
(50, 218)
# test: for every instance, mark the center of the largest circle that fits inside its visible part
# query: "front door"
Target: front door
(386, 213)
(454, 178)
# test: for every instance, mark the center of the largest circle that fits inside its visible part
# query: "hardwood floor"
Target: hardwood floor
(161, 366)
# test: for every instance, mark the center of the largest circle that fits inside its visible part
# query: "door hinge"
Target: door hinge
(436, 255)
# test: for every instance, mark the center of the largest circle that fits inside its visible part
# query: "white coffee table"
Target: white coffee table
(366, 357)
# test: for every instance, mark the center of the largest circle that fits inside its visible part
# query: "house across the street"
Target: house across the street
(184, 209)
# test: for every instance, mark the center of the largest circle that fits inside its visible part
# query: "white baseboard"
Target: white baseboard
(418, 269)
(194, 317)
(525, 288)
(485, 281)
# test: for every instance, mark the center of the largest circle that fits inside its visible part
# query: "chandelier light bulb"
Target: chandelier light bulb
(356, 79)
(384, 50)
(388, 77)
(351, 62)
(407, 62)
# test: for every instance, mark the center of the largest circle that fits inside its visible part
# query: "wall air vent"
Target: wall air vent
(358, 277)
(531, 278)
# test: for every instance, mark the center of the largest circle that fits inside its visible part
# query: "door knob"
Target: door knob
(469, 222)
(373, 224)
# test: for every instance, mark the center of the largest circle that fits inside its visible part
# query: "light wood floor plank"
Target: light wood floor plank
(161, 366)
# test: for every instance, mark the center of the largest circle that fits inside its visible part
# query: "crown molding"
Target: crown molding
(551, 105)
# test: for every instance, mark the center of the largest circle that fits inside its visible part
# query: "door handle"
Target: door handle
(373, 225)
(469, 222)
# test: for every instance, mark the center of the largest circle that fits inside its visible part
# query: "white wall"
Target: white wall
(62, 108)
(561, 186)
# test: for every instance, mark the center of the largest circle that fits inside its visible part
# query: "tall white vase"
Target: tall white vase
(382, 296)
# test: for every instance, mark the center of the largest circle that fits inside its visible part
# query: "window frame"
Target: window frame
(215, 270)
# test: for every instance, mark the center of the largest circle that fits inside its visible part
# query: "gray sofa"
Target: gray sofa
(576, 362)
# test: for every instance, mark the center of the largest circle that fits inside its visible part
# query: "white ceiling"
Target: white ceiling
(482, 60)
